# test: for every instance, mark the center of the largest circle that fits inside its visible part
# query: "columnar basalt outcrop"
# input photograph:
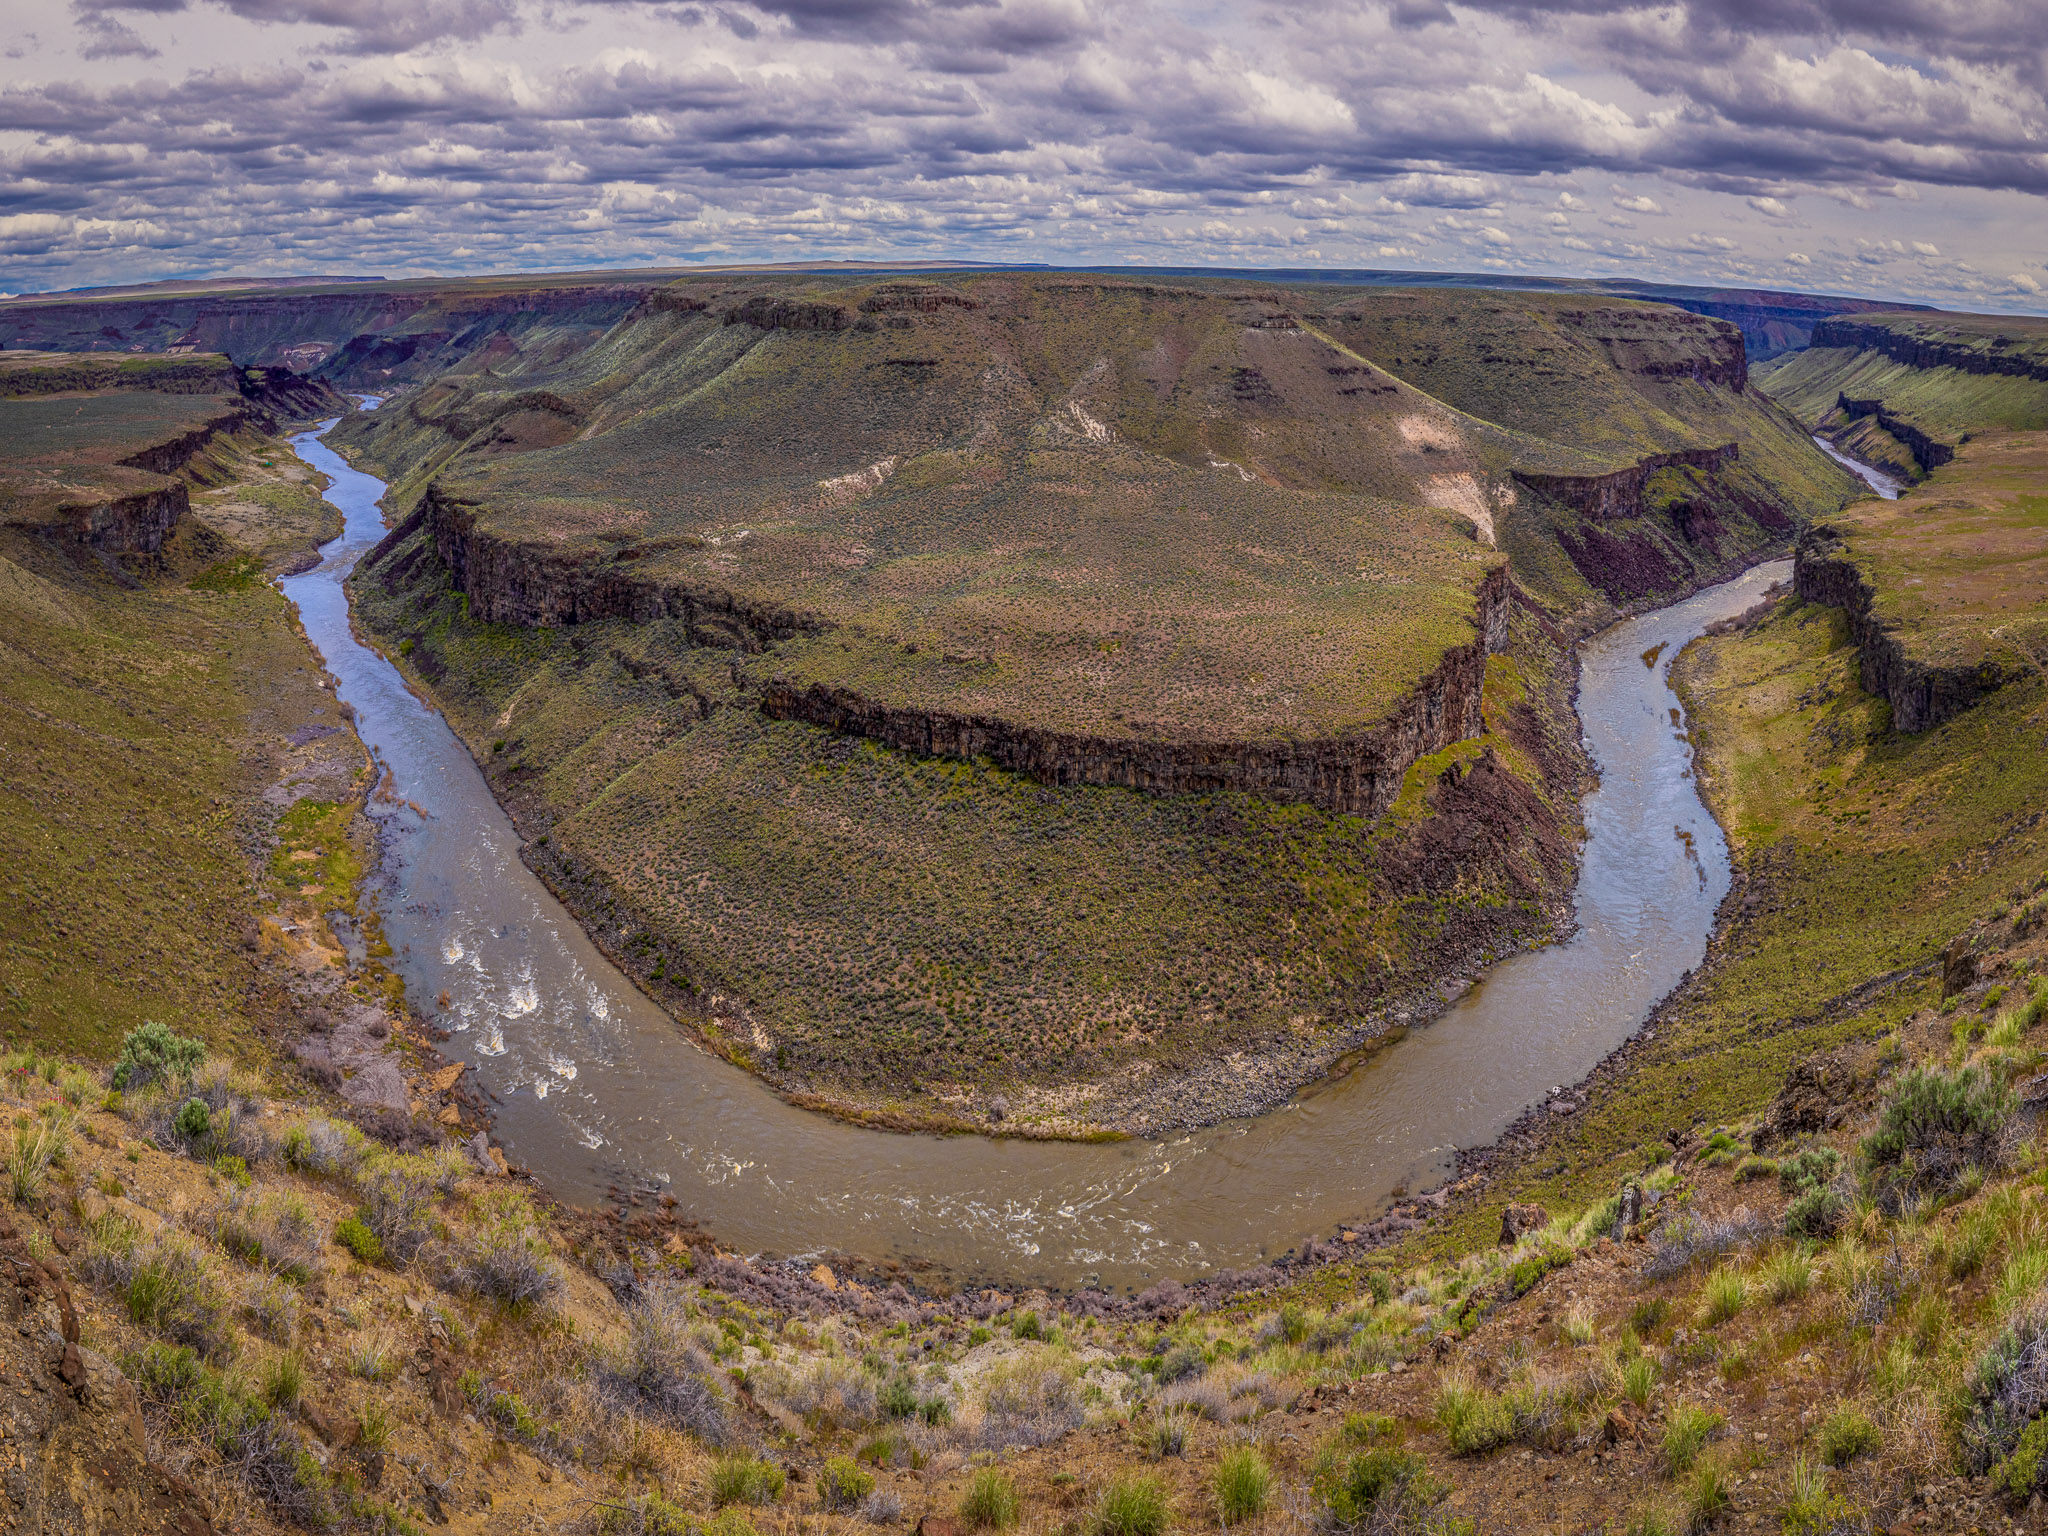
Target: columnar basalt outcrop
(1928, 452)
(1921, 695)
(1922, 351)
(121, 525)
(1358, 774)
(509, 582)
(1618, 493)
(768, 314)
(173, 454)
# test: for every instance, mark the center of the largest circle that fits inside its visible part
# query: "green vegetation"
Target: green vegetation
(990, 1502)
(1243, 1484)
(142, 725)
(745, 1480)
(155, 1053)
(1686, 1433)
(355, 1235)
(1131, 1505)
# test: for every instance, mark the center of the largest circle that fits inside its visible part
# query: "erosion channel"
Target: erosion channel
(597, 1087)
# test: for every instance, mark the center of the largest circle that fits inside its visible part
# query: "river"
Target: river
(598, 1086)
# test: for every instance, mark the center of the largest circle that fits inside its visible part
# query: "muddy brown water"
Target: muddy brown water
(598, 1086)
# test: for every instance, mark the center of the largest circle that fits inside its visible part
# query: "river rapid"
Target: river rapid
(597, 1086)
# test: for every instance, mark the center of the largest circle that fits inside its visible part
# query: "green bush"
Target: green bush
(1130, 1506)
(744, 1480)
(1808, 1168)
(1846, 1435)
(1723, 1297)
(1707, 1496)
(153, 1053)
(1389, 1487)
(194, 1120)
(1937, 1126)
(842, 1483)
(1815, 1214)
(358, 1239)
(990, 1502)
(1527, 1272)
(1787, 1276)
(898, 1398)
(2020, 1473)
(1639, 1380)
(1242, 1484)
(1686, 1434)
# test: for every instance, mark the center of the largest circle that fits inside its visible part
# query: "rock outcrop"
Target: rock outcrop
(1921, 695)
(122, 525)
(769, 314)
(1928, 452)
(530, 584)
(1618, 494)
(75, 1461)
(1357, 774)
(1919, 351)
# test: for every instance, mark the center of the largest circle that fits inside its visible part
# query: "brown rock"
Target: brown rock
(1518, 1221)
(1958, 966)
(1620, 1425)
(937, 1525)
(1812, 1092)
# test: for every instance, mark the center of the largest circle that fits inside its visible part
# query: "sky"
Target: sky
(1890, 148)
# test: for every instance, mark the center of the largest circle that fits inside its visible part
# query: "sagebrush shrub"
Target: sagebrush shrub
(154, 1053)
(1935, 1127)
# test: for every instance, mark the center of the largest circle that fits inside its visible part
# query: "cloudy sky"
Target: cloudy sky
(1897, 148)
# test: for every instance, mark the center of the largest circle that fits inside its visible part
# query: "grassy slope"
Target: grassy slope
(140, 722)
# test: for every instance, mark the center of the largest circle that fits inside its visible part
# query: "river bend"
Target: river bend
(598, 1086)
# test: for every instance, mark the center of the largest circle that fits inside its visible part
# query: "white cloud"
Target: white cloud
(420, 135)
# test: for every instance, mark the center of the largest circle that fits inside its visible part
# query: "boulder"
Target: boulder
(1958, 966)
(1518, 1221)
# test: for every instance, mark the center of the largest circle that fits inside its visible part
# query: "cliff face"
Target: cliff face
(136, 524)
(1928, 452)
(1919, 351)
(1355, 775)
(524, 584)
(1921, 696)
(1619, 494)
(527, 584)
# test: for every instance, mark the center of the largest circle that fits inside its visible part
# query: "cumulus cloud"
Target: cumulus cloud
(191, 135)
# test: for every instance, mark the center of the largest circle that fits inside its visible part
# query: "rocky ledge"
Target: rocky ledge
(1619, 493)
(1922, 696)
(1357, 774)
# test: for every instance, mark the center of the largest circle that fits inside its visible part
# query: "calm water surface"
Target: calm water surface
(598, 1085)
